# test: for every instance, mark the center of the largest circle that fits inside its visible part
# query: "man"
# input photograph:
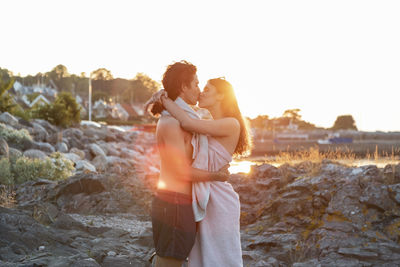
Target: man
(174, 227)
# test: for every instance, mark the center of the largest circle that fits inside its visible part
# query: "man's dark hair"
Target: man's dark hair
(176, 76)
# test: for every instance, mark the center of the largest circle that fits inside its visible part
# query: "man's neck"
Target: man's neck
(184, 99)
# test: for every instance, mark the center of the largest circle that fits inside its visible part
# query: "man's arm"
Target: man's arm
(174, 154)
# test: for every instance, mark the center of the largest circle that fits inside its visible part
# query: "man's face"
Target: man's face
(191, 93)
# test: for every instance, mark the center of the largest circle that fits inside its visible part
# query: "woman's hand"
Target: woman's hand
(155, 98)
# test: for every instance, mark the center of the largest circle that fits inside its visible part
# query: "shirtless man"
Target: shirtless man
(174, 227)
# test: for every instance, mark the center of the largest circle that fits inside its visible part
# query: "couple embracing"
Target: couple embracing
(195, 212)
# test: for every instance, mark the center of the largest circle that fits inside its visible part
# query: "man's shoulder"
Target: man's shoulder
(168, 123)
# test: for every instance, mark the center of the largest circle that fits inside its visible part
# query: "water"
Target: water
(244, 166)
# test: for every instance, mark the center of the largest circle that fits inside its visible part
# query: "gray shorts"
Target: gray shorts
(174, 228)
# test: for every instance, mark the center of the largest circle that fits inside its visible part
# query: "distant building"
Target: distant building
(100, 109)
(131, 111)
(118, 112)
(139, 108)
(39, 101)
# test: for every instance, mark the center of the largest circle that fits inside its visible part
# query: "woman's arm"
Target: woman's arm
(220, 127)
(173, 153)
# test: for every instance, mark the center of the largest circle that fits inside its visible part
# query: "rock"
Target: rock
(72, 157)
(121, 260)
(14, 153)
(358, 253)
(377, 196)
(46, 125)
(78, 152)
(111, 253)
(45, 213)
(394, 192)
(39, 132)
(104, 147)
(8, 119)
(111, 151)
(310, 263)
(84, 167)
(4, 149)
(62, 147)
(34, 154)
(25, 123)
(96, 150)
(370, 174)
(95, 134)
(392, 174)
(100, 162)
(46, 147)
(82, 183)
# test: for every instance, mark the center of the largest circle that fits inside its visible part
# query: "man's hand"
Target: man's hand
(223, 174)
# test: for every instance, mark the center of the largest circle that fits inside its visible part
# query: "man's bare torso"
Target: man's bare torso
(176, 156)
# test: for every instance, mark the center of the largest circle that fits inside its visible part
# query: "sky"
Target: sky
(327, 58)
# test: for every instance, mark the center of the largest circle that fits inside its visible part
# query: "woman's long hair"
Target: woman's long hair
(230, 108)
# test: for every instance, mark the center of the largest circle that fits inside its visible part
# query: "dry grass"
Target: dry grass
(341, 155)
(313, 155)
(7, 197)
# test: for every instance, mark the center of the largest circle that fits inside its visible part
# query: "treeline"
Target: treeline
(292, 118)
(104, 85)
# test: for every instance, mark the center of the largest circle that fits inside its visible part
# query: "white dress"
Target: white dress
(218, 234)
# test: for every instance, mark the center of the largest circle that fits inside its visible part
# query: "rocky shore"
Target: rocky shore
(308, 214)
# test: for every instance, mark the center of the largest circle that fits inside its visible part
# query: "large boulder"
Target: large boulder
(72, 157)
(34, 154)
(62, 147)
(101, 163)
(78, 152)
(84, 166)
(47, 125)
(96, 150)
(38, 132)
(8, 119)
(45, 147)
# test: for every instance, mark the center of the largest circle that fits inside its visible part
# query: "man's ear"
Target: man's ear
(184, 88)
(220, 97)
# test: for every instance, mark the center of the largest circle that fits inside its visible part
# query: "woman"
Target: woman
(218, 237)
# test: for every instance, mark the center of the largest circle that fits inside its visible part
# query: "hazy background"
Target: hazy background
(327, 58)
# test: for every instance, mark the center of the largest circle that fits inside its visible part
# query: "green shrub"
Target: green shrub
(64, 112)
(20, 112)
(6, 176)
(55, 167)
(62, 168)
(26, 169)
(18, 137)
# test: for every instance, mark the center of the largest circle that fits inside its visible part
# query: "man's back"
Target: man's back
(175, 152)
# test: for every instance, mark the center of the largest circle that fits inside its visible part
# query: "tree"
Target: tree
(5, 74)
(6, 101)
(344, 122)
(260, 121)
(102, 74)
(143, 87)
(59, 75)
(292, 113)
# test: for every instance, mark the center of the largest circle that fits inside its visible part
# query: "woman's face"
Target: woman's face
(209, 96)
